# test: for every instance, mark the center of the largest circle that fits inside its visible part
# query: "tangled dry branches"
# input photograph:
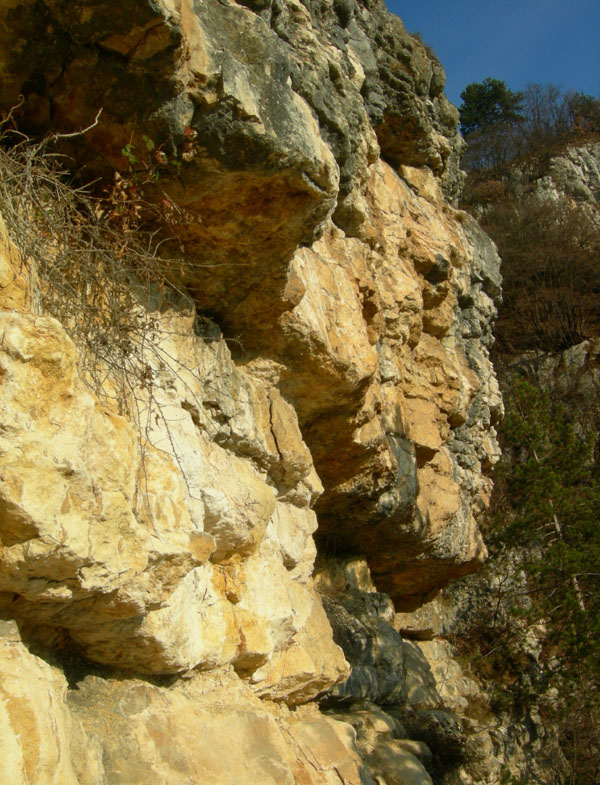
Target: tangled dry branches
(97, 272)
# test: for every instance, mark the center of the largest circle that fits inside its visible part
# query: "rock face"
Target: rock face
(574, 173)
(573, 375)
(324, 385)
(568, 174)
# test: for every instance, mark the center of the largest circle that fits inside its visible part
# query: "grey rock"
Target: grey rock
(370, 644)
(441, 731)
(486, 262)
(574, 173)
(420, 685)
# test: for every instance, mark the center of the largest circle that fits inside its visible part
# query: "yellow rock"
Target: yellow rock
(16, 275)
(36, 726)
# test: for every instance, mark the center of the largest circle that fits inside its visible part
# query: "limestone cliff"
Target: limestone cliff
(313, 379)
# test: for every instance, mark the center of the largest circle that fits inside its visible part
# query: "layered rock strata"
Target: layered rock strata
(306, 154)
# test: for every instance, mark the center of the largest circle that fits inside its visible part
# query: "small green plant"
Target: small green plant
(129, 155)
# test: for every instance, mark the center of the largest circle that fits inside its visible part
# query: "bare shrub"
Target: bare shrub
(490, 148)
(548, 118)
(95, 264)
(551, 269)
(96, 271)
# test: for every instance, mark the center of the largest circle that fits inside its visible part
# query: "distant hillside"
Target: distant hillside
(543, 212)
(534, 614)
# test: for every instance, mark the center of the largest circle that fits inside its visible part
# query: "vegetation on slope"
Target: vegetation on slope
(538, 640)
(500, 124)
(550, 245)
(550, 251)
(539, 643)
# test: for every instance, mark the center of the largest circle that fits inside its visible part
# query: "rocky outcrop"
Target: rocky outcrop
(574, 173)
(315, 378)
(240, 152)
(132, 731)
(37, 728)
(567, 173)
(573, 374)
(408, 429)
(104, 539)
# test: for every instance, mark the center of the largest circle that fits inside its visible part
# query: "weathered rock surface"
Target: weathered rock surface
(409, 701)
(574, 173)
(418, 425)
(180, 735)
(37, 729)
(115, 549)
(340, 399)
(573, 374)
(360, 618)
(242, 152)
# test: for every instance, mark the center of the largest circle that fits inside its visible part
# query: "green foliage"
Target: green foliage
(550, 509)
(546, 514)
(128, 153)
(489, 113)
(148, 143)
(487, 103)
(500, 124)
(533, 634)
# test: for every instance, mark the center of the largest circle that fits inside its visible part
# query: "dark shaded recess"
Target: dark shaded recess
(439, 272)
(64, 654)
(89, 21)
(120, 89)
(40, 48)
(344, 10)
(91, 78)
(371, 646)
(442, 733)
(257, 6)
(390, 522)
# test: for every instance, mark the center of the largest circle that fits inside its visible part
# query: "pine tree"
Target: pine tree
(487, 103)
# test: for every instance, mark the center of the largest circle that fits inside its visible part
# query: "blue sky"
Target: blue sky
(518, 41)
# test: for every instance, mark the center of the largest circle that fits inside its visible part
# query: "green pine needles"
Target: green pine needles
(547, 514)
(549, 507)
